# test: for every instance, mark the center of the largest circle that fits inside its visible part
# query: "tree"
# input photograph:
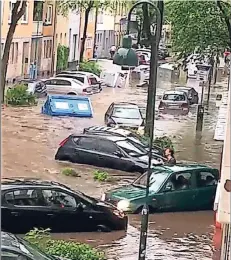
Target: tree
(199, 24)
(18, 11)
(85, 6)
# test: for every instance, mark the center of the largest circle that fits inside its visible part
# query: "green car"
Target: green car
(182, 187)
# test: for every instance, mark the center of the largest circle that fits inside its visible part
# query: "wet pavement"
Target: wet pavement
(30, 140)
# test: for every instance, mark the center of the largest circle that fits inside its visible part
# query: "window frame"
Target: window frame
(198, 176)
(25, 21)
(50, 12)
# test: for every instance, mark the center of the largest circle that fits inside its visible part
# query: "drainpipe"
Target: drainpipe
(53, 38)
(96, 21)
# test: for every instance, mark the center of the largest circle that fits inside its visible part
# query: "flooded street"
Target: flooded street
(30, 140)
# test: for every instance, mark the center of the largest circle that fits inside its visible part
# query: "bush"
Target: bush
(61, 248)
(90, 66)
(69, 172)
(19, 96)
(163, 142)
(101, 176)
(62, 57)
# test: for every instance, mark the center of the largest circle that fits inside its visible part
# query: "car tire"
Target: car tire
(139, 210)
(103, 228)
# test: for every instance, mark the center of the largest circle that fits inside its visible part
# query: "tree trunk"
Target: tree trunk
(87, 12)
(17, 13)
(226, 18)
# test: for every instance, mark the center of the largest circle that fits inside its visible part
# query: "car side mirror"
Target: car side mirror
(118, 153)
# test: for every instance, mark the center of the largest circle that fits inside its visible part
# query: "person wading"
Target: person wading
(169, 155)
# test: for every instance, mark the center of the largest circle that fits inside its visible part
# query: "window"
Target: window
(38, 11)
(61, 38)
(12, 53)
(65, 38)
(87, 143)
(59, 199)
(100, 18)
(47, 47)
(44, 49)
(106, 146)
(126, 112)
(205, 179)
(15, 52)
(74, 46)
(63, 83)
(174, 97)
(89, 43)
(25, 197)
(11, 6)
(157, 179)
(133, 148)
(24, 18)
(49, 14)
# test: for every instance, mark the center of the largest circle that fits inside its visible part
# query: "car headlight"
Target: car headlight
(103, 197)
(123, 205)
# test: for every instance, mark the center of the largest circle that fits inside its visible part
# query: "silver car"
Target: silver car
(67, 86)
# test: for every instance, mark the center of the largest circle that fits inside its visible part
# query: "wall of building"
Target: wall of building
(104, 40)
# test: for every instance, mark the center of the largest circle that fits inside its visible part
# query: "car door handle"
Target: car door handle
(15, 214)
(50, 215)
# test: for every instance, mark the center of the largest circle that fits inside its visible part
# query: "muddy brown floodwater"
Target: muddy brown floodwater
(30, 140)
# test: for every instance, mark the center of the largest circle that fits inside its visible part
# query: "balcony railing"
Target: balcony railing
(37, 28)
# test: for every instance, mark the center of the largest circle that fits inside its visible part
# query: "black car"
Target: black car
(29, 203)
(14, 247)
(104, 150)
(132, 137)
(124, 114)
(191, 93)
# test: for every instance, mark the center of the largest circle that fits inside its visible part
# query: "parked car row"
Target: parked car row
(65, 83)
(179, 99)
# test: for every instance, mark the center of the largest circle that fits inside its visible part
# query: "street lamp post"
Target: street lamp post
(152, 92)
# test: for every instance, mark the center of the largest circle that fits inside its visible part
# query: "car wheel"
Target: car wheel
(103, 228)
(139, 210)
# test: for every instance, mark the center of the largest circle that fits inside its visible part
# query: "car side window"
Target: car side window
(48, 82)
(205, 179)
(59, 199)
(180, 181)
(25, 197)
(87, 143)
(107, 147)
(63, 82)
(9, 255)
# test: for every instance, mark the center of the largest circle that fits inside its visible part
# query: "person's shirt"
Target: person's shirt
(171, 161)
(113, 48)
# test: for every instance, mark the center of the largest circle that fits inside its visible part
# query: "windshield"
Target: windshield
(132, 147)
(92, 80)
(157, 179)
(174, 97)
(128, 113)
(30, 249)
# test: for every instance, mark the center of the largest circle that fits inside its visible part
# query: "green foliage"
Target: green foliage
(62, 57)
(19, 96)
(61, 248)
(198, 23)
(163, 142)
(69, 172)
(101, 176)
(90, 66)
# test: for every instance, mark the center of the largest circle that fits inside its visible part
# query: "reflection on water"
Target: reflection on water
(30, 140)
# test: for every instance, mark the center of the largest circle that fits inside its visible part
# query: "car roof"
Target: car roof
(111, 137)
(183, 87)
(63, 78)
(110, 130)
(72, 74)
(176, 92)
(25, 182)
(179, 167)
(127, 104)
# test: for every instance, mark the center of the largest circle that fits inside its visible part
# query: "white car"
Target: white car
(67, 86)
(86, 78)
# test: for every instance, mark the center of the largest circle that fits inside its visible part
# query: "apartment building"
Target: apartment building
(20, 51)
(89, 44)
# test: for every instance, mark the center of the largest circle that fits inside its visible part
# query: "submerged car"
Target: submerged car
(191, 93)
(29, 203)
(124, 114)
(86, 78)
(181, 187)
(131, 136)
(15, 247)
(105, 150)
(174, 101)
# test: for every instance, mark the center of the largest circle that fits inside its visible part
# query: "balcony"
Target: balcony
(37, 28)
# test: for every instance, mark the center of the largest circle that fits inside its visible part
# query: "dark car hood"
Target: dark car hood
(127, 192)
(128, 122)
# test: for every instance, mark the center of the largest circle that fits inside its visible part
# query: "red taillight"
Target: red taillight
(63, 142)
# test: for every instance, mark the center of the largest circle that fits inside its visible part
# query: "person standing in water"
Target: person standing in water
(169, 155)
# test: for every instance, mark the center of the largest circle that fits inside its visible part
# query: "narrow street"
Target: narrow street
(30, 142)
